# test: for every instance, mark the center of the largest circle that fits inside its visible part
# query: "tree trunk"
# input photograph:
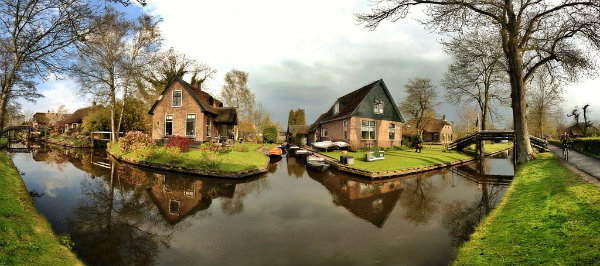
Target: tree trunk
(3, 102)
(524, 150)
(113, 132)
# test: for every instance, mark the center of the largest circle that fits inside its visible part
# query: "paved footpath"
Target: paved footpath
(587, 164)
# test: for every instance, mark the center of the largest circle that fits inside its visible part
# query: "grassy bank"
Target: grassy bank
(71, 141)
(227, 161)
(3, 142)
(398, 159)
(27, 238)
(547, 216)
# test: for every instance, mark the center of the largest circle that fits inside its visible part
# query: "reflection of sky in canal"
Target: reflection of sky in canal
(290, 216)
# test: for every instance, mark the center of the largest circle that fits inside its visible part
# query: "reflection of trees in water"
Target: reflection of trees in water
(235, 204)
(418, 200)
(295, 167)
(461, 218)
(117, 227)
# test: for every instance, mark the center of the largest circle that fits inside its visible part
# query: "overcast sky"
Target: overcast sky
(302, 54)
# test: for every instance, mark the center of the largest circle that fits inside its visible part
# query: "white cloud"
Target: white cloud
(56, 93)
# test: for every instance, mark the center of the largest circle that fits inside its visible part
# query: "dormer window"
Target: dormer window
(176, 99)
(336, 108)
(378, 106)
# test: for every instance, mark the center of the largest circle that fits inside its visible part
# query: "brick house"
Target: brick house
(365, 117)
(434, 130)
(186, 110)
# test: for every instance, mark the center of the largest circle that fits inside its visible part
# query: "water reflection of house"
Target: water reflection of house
(373, 202)
(178, 198)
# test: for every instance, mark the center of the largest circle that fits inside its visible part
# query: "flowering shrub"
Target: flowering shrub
(180, 142)
(135, 140)
(211, 159)
(173, 154)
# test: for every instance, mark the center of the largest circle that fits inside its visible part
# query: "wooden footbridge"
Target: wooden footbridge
(494, 135)
(7, 130)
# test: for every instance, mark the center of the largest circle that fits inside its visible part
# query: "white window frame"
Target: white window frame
(323, 132)
(173, 98)
(186, 124)
(172, 121)
(369, 127)
(378, 106)
(336, 107)
(390, 130)
(345, 129)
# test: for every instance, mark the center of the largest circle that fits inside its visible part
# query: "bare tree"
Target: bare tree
(558, 119)
(575, 114)
(477, 73)
(586, 123)
(235, 93)
(109, 58)
(557, 35)
(420, 102)
(33, 38)
(168, 64)
(60, 114)
(544, 95)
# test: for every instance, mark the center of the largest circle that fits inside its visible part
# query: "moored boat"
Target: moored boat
(300, 152)
(323, 144)
(274, 152)
(316, 163)
(341, 144)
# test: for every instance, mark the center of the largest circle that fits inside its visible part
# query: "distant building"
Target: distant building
(297, 134)
(434, 130)
(366, 117)
(46, 120)
(576, 130)
(186, 110)
(74, 121)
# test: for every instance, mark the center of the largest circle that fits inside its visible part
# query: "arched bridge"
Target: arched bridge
(494, 135)
(16, 128)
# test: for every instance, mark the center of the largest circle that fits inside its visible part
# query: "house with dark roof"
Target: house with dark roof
(74, 121)
(365, 117)
(186, 110)
(434, 130)
(576, 130)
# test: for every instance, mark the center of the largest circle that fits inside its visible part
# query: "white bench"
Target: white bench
(374, 156)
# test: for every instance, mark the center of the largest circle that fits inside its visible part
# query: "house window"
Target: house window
(190, 125)
(336, 108)
(323, 132)
(378, 106)
(368, 129)
(174, 207)
(345, 129)
(208, 126)
(168, 125)
(392, 131)
(176, 99)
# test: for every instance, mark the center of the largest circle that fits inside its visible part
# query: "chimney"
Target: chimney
(443, 117)
(197, 85)
(93, 103)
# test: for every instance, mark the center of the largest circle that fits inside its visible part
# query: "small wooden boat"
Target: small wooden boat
(282, 147)
(274, 152)
(316, 163)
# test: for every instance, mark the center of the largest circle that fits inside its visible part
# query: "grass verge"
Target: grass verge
(79, 141)
(228, 161)
(3, 142)
(27, 238)
(398, 160)
(491, 147)
(548, 216)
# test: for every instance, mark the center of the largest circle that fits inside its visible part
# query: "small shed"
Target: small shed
(297, 134)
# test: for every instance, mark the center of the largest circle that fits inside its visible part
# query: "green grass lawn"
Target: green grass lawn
(230, 161)
(548, 217)
(491, 147)
(3, 142)
(26, 237)
(397, 160)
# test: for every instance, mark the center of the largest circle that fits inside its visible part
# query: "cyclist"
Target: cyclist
(566, 140)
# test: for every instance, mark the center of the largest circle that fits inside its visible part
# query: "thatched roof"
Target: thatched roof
(432, 125)
(77, 116)
(245, 126)
(226, 115)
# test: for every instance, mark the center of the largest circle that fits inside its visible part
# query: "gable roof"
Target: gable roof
(298, 129)
(202, 98)
(351, 101)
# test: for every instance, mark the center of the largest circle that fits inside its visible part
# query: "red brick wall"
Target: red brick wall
(334, 132)
(188, 106)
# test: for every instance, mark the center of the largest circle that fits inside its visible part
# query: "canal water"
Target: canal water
(118, 214)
